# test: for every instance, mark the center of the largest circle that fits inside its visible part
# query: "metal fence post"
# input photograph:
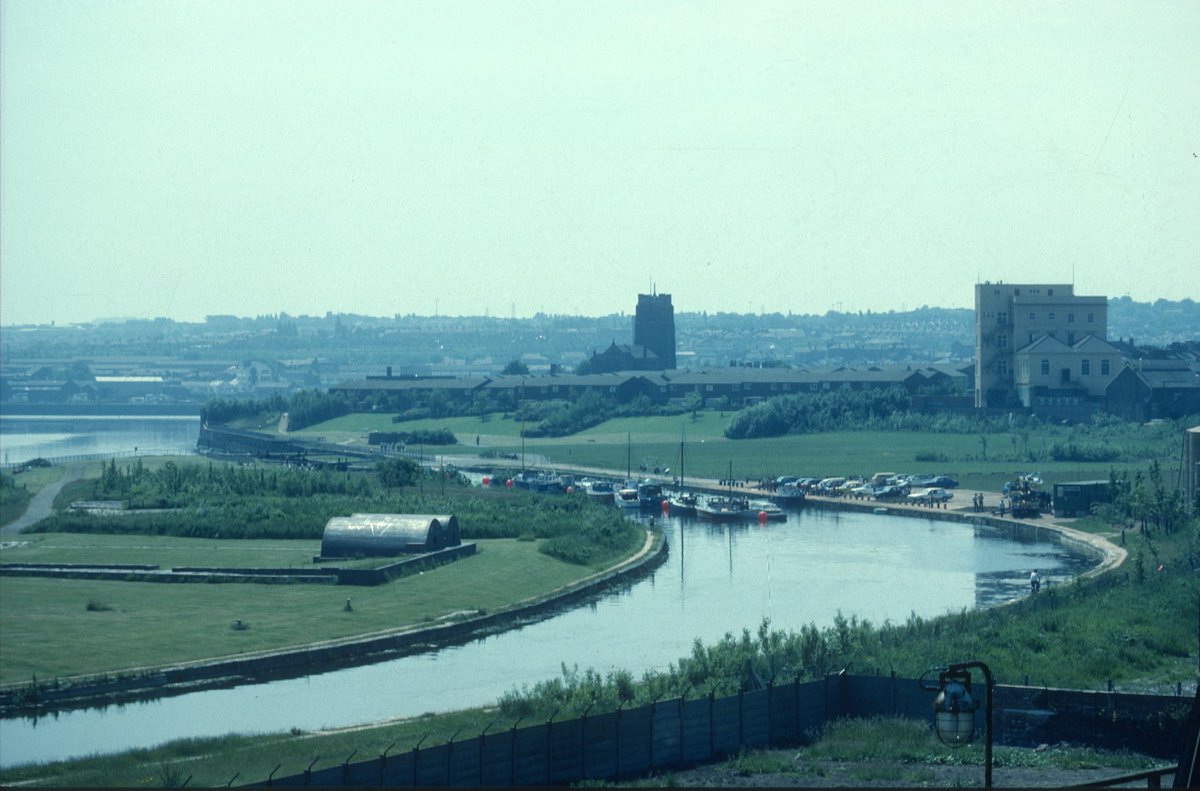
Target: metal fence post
(346, 767)
(712, 738)
(512, 751)
(416, 755)
(450, 756)
(583, 742)
(383, 761)
(550, 745)
(481, 734)
(308, 771)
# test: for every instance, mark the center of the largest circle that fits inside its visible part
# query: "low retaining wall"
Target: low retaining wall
(128, 572)
(401, 568)
(320, 657)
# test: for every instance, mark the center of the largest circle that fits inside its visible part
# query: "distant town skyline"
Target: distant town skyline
(455, 158)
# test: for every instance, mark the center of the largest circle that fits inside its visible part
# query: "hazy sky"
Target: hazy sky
(184, 158)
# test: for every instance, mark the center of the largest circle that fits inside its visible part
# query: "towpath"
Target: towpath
(42, 504)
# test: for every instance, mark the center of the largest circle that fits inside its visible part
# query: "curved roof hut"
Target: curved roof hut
(388, 534)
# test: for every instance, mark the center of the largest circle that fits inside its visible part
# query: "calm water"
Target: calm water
(24, 437)
(717, 579)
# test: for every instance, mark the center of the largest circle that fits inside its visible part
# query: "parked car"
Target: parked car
(944, 481)
(827, 485)
(866, 490)
(931, 495)
(892, 492)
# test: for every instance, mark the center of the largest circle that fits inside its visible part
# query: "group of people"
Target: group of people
(977, 501)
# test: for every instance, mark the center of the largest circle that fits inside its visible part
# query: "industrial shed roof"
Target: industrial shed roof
(388, 534)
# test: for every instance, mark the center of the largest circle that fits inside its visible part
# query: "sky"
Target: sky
(183, 158)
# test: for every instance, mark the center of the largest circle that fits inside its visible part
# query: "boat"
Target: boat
(627, 497)
(766, 511)
(650, 495)
(682, 504)
(790, 495)
(722, 508)
(600, 491)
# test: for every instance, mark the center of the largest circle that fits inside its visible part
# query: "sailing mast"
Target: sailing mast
(628, 455)
(681, 484)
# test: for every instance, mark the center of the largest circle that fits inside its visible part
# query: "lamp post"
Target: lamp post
(954, 710)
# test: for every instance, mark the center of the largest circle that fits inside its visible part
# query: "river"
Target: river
(717, 579)
(62, 437)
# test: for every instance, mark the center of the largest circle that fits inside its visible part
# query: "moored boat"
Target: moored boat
(650, 495)
(600, 491)
(627, 497)
(719, 508)
(682, 504)
(789, 495)
(734, 509)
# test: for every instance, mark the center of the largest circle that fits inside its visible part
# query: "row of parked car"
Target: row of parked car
(882, 486)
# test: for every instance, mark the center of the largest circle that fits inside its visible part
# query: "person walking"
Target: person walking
(1035, 582)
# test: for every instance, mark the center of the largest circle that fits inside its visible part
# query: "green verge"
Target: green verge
(57, 628)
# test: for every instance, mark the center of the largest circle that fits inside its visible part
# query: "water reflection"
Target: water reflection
(718, 578)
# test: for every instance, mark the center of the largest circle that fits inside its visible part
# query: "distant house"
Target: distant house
(375, 535)
(1153, 389)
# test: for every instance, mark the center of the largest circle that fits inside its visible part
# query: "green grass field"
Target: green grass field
(50, 631)
(655, 441)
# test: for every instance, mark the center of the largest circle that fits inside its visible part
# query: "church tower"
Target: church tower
(654, 327)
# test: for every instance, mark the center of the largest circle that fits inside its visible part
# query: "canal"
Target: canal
(718, 579)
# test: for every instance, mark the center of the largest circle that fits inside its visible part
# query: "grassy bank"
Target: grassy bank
(55, 627)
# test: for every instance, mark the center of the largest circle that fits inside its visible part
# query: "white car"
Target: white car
(935, 495)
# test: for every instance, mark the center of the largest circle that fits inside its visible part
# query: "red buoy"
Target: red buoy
(762, 517)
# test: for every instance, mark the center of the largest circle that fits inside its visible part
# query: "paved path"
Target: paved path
(42, 504)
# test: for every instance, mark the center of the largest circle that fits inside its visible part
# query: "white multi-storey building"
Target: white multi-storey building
(1040, 344)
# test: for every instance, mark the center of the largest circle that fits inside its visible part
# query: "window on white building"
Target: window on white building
(1104, 368)
(1045, 367)
(1085, 367)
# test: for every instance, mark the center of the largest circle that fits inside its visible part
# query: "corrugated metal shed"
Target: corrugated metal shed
(388, 534)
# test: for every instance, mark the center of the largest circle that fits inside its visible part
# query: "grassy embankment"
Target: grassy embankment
(528, 547)
(56, 627)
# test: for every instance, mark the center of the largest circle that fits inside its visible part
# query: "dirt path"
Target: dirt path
(42, 504)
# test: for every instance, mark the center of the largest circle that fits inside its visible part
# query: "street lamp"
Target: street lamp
(954, 710)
